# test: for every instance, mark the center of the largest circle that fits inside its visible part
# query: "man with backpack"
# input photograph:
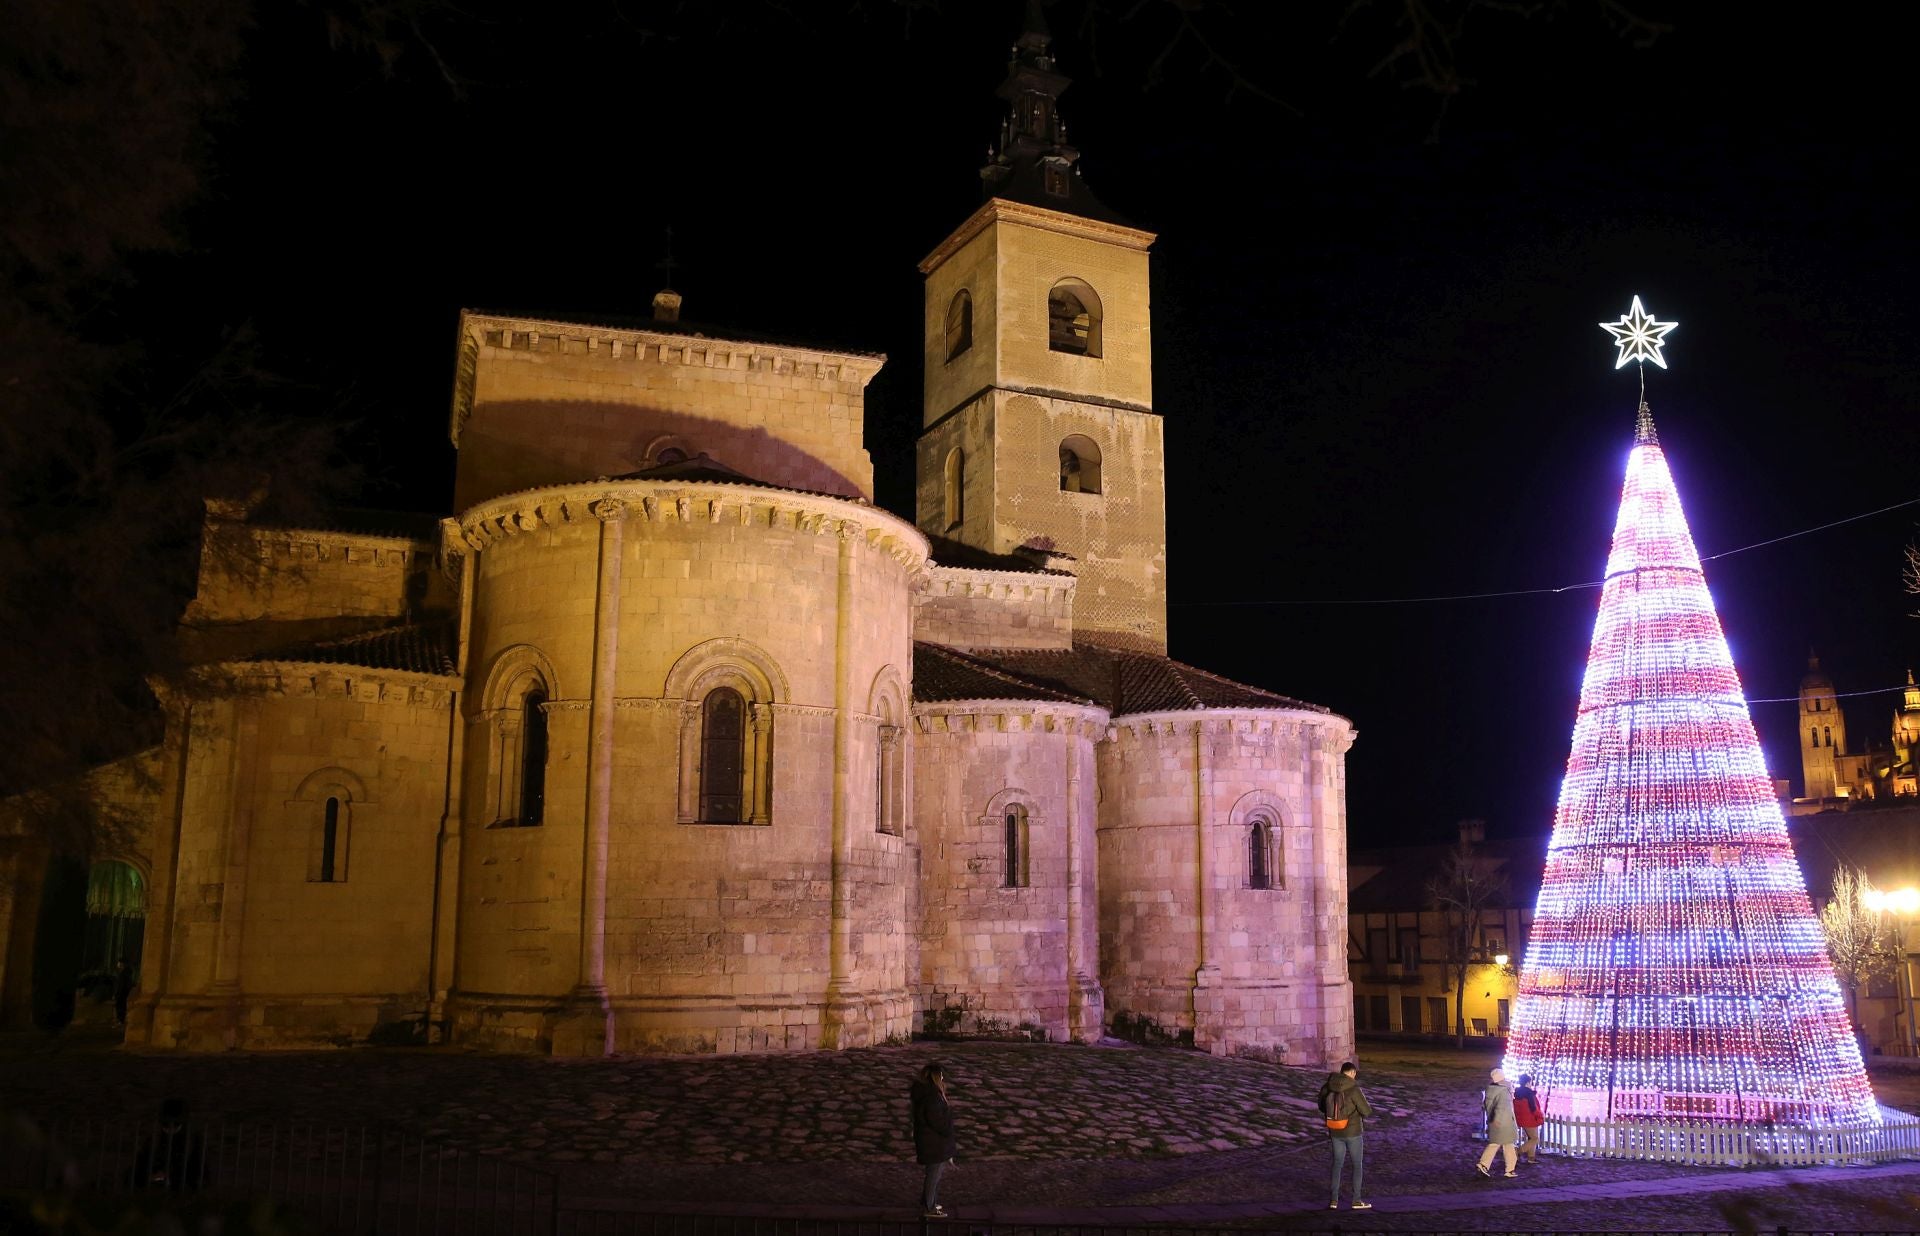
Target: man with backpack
(1346, 1111)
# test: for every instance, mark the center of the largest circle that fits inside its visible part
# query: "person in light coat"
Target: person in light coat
(1502, 1131)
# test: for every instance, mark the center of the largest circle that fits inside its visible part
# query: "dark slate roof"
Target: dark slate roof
(955, 554)
(692, 330)
(1394, 880)
(705, 469)
(417, 648)
(1025, 183)
(1134, 682)
(944, 674)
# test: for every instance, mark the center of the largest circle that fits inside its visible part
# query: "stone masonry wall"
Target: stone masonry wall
(717, 936)
(965, 608)
(254, 948)
(990, 953)
(547, 403)
(1186, 945)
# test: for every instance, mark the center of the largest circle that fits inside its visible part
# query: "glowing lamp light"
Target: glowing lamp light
(1500, 959)
(1899, 901)
(1676, 971)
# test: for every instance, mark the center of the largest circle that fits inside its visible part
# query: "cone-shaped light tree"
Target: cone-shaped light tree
(1676, 970)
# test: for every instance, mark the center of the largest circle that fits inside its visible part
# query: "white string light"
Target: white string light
(1675, 968)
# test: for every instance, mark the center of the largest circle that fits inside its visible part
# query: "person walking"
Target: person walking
(1346, 1111)
(1501, 1130)
(1528, 1116)
(122, 988)
(933, 1142)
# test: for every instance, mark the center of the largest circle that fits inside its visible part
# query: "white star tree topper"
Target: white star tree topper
(1638, 336)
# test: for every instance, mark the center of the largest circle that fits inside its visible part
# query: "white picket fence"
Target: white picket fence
(1722, 1145)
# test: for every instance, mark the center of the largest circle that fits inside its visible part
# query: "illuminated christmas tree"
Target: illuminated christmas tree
(1676, 971)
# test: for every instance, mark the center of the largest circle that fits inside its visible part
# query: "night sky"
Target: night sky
(1375, 339)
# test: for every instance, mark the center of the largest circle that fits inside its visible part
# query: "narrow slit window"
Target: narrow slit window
(329, 840)
(1259, 856)
(723, 757)
(1016, 847)
(533, 759)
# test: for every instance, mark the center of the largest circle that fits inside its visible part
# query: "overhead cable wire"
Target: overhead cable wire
(1532, 592)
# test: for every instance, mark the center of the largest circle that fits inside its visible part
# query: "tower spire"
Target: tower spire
(1644, 434)
(1034, 164)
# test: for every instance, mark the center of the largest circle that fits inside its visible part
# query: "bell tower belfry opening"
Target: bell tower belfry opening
(1039, 424)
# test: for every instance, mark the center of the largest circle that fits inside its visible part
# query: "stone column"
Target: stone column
(838, 1022)
(587, 1029)
(1208, 999)
(446, 879)
(1085, 1006)
(760, 767)
(233, 884)
(1324, 750)
(156, 954)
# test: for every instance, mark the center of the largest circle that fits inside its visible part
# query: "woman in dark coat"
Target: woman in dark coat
(932, 1134)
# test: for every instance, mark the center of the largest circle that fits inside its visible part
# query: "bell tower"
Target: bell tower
(1039, 424)
(1823, 731)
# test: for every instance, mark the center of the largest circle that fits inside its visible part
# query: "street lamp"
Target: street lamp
(1499, 959)
(1902, 904)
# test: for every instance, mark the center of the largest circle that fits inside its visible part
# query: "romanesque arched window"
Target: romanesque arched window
(956, 487)
(1813, 735)
(1829, 733)
(1260, 853)
(723, 748)
(323, 806)
(1073, 318)
(1014, 837)
(959, 323)
(533, 758)
(517, 704)
(1079, 465)
(726, 691)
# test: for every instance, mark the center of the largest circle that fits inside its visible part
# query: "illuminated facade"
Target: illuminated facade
(665, 738)
(1676, 969)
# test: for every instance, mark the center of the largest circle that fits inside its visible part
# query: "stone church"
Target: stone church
(669, 740)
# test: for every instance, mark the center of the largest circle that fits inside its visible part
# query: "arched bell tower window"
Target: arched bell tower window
(959, 323)
(1079, 465)
(956, 487)
(1014, 835)
(1073, 318)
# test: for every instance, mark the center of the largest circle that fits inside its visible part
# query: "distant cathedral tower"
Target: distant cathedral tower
(1823, 732)
(1040, 431)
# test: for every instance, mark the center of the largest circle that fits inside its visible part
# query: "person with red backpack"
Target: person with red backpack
(1346, 1111)
(1529, 1116)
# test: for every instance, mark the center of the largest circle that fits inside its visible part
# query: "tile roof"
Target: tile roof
(679, 326)
(417, 648)
(950, 553)
(944, 674)
(1135, 682)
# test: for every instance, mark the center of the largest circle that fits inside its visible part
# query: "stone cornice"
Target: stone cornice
(690, 502)
(1338, 735)
(1000, 210)
(325, 678)
(323, 540)
(1003, 716)
(995, 584)
(514, 333)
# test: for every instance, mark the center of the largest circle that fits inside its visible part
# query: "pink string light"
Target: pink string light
(1676, 970)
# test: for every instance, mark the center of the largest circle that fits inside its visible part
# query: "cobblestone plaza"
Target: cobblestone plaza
(1108, 1134)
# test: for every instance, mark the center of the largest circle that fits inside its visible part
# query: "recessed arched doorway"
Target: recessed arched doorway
(92, 920)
